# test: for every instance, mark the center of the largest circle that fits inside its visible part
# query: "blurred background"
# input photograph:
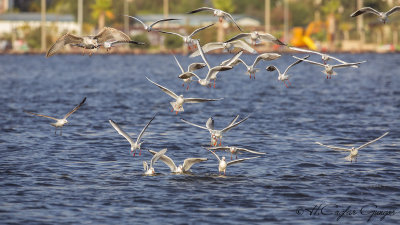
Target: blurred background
(323, 25)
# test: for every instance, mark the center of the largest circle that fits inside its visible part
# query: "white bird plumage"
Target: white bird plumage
(182, 168)
(383, 16)
(235, 150)
(222, 164)
(217, 12)
(284, 76)
(149, 169)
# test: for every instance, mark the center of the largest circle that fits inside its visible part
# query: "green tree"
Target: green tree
(100, 10)
(224, 5)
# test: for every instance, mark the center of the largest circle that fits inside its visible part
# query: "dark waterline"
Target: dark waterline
(88, 176)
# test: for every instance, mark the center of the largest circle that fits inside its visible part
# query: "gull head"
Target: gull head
(179, 169)
(223, 158)
(202, 82)
(107, 44)
(354, 151)
(325, 57)
(232, 150)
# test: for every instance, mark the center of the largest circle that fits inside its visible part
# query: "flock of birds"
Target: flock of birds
(110, 37)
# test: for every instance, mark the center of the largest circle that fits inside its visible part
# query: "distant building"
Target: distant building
(195, 20)
(11, 21)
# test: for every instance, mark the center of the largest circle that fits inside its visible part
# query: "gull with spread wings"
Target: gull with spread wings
(187, 163)
(235, 150)
(328, 69)
(88, 42)
(134, 144)
(187, 39)
(149, 169)
(256, 38)
(284, 76)
(325, 57)
(150, 27)
(217, 12)
(251, 70)
(60, 122)
(189, 73)
(226, 46)
(222, 164)
(353, 151)
(179, 99)
(383, 16)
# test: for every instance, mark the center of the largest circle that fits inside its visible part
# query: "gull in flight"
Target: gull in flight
(235, 150)
(325, 57)
(134, 144)
(150, 27)
(217, 134)
(383, 16)
(187, 39)
(88, 42)
(353, 151)
(212, 72)
(226, 46)
(328, 69)
(284, 76)
(109, 44)
(251, 70)
(223, 164)
(149, 170)
(60, 122)
(187, 163)
(256, 38)
(189, 73)
(179, 99)
(217, 12)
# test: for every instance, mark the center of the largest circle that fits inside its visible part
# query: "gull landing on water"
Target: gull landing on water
(217, 12)
(284, 76)
(60, 122)
(187, 163)
(383, 16)
(189, 73)
(328, 69)
(180, 100)
(251, 70)
(222, 164)
(235, 150)
(134, 144)
(188, 38)
(353, 151)
(150, 27)
(149, 170)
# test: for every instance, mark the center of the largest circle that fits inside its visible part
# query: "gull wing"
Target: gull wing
(189, 162)
(201, 10)
(164, 89)
(266, 57)
(217, 69)
(125, 42)
(334, 147)
(62, 41)
(162, 20)
(199, 29)
(157, 156)
(233, 20)
(232, 61)
(144, 129)
(250, 151)
(233, 125)
(42, 115)
(187, 75)
(394, 9)
(205, 128)
(242, 45)
(137, 19)
(210, 124)
(365, 10)
(198, 100)
(241, 35)
(305, 50)
(207, 47)
(233, 121)
(177, 62)
(76, 108)
(239, 160)
(347, 64)
(368, 143)
(167, 32)
(224, 148)
(305, 60)
(167, 160)
(121, 132)
(271, 38)
(272, 68)
(108, 33)
(145, 166)
(202, 53)
(216, 156)
(196, 66)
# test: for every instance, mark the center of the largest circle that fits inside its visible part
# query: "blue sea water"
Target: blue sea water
(87, 175)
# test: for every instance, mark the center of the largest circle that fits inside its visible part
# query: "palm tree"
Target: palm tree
(101, 10)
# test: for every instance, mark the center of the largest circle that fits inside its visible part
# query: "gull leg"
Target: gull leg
(285, 83)
(231, 156)
(214, 83)
(254, 75)
(55, 132)
(140, 151)
(236, 155)
(172, 109)
(187, 88)
(183, 85)
(61, 131)
(177, 112)
(289, 83)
